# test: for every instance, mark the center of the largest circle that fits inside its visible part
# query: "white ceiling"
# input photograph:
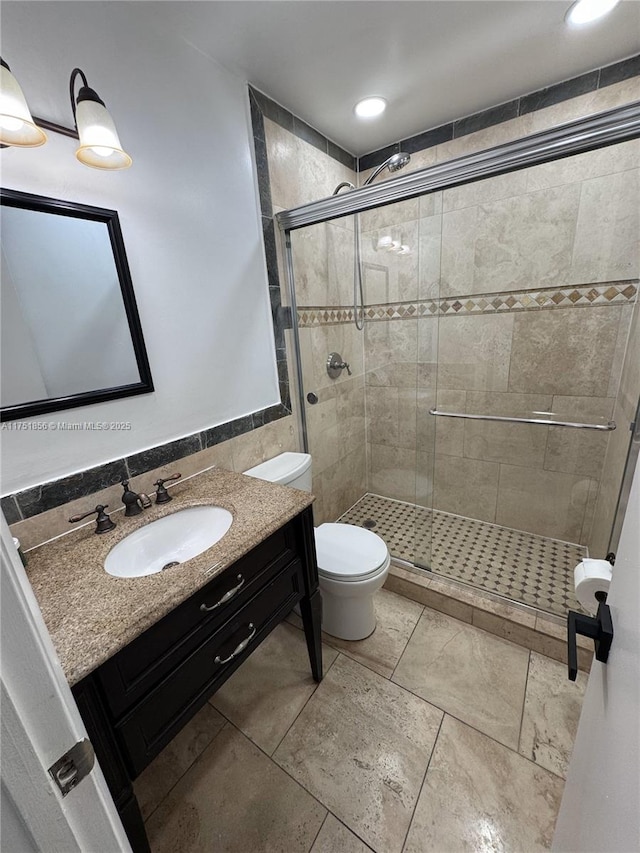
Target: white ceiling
(433, 60)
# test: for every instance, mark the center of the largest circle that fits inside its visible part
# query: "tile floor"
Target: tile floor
(430, 735)
(520, 566)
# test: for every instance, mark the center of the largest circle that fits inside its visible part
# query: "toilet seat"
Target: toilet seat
(348, 553)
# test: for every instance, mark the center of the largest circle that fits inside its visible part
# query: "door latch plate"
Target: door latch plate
(72, 767)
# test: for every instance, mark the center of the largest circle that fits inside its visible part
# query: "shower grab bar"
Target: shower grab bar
(610, 425)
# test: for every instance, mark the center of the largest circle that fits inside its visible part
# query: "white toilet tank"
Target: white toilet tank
(287, 469)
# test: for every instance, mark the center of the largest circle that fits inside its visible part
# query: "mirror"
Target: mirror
(69, 324)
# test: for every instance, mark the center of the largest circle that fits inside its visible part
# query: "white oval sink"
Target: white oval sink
(170, 540)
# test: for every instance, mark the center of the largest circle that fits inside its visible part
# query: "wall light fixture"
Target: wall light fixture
(17, 126)
(99, 144)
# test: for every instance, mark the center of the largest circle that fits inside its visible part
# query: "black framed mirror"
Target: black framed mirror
(70, 329)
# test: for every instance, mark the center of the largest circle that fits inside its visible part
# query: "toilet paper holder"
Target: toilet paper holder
(598, 627)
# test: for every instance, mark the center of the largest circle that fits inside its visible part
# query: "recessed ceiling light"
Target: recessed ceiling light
(370, 107)
(585, 11)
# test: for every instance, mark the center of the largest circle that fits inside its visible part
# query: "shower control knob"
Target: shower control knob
(312, 398)
(336, 364)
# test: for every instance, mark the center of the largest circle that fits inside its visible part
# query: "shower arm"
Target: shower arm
(375, 173)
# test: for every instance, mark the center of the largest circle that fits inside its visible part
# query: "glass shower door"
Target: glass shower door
(390, 251)
(539, 273)
(363, 430)
(498, 304)
(333, 401)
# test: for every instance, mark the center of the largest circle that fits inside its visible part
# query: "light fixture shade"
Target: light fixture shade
(586, 11)
(16, 124)
(99, 143)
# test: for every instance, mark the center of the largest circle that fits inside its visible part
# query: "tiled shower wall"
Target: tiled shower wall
(536, 241)
(517, 293)
(323, 269)
(624, 412)
(537, 274)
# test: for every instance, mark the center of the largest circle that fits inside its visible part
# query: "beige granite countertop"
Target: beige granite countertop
(91, 615)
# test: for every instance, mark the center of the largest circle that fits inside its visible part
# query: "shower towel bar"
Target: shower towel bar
(513, 420)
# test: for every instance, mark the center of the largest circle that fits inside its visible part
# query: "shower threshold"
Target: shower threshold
(520, 567)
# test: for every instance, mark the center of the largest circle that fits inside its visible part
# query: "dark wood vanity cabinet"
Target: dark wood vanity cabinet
(139, 699)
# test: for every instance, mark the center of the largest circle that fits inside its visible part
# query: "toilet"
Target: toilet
(352, 562)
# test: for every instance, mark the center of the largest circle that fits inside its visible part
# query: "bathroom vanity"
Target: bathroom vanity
(144, 654)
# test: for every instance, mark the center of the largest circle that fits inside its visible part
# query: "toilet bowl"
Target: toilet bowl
(353, 563)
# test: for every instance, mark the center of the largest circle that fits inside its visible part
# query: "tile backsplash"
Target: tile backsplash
(41, 513)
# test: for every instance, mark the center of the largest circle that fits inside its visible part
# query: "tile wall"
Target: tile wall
(515, 294)
(537, 275)
(624, 412)
(300, 172)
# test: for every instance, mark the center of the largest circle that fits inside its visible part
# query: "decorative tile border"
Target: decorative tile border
(281, 316)
(587, 295)
(310, 316)
(564, 91)
(270, 109)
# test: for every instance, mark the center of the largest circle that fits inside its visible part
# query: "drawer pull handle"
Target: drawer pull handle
(226, 597)
(239, 648)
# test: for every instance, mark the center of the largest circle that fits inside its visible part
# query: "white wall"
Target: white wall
(189, 213)
(599, 810)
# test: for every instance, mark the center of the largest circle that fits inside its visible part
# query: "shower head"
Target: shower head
(397, 161)
(393, 164)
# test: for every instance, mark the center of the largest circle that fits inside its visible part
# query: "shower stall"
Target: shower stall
(480, 419)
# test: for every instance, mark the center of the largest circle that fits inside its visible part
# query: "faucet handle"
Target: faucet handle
(162, 495)
(103, 522)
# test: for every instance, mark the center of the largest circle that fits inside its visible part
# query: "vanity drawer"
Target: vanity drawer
(149, 727)
(127, 676)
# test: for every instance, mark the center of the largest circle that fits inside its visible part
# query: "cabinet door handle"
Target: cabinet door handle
(226, 597)
(239, 648)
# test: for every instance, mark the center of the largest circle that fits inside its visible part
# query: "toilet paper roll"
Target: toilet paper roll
(591, 576)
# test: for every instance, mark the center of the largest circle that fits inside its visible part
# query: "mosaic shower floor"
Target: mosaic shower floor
(520, 566)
